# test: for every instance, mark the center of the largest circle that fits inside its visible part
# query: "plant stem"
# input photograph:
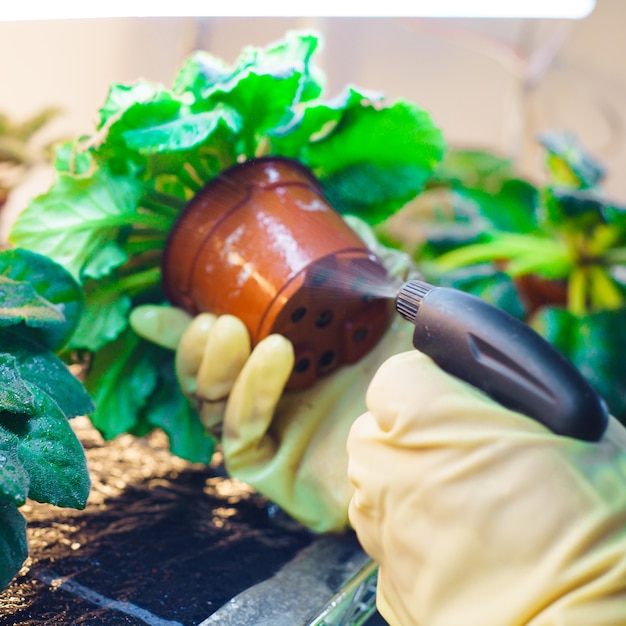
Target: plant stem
(163, 204)
(134, 283)
(140, 280)
(190, 177)
(139, 243)
(145, 220)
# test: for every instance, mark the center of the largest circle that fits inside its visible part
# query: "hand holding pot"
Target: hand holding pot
(290, 445)
(479, 515)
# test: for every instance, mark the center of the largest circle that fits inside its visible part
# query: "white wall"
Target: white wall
(71, 63)
(493, 84)
(473, 76)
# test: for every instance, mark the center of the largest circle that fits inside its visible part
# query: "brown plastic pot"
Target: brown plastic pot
(261, 242)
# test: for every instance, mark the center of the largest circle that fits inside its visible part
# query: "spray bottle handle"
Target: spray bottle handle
(499, 354)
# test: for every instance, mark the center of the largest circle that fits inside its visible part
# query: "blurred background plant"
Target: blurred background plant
(553, 255)
(21, 148)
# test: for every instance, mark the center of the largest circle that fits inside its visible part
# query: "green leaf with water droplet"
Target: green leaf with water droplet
(14, 481)
(13, 542)
(43, 370)
(20, 302)
(15, 395)
(51, 455)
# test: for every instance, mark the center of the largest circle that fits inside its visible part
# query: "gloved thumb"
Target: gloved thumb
(410, 387)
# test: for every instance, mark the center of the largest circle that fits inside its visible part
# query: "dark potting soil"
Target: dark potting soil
(161, 542)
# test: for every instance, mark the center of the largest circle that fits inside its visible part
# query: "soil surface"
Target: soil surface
(161, 542)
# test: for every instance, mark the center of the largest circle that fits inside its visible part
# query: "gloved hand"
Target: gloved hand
(289, 445)
(479, 516)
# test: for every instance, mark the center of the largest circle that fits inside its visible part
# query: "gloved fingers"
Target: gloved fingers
(253, 399)
(162, 325)
(226, 350)
(190, 351)
(364, 499)
(453, 491)
(210, 355)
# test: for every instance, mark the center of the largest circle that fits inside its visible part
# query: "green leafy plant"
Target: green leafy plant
(40, 456)
(553, 255)
(119, 190)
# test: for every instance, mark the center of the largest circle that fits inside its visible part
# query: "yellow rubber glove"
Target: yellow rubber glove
(479, 516)
(289, 445)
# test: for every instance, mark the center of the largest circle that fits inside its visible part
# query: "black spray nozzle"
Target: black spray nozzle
(501, 355)
(409, 298)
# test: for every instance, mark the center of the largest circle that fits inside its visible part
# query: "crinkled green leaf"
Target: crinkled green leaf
(285, 58)
(200, 72)
(70, 158)
(376, 160)
(39, 292)
(263, 101)
(14, 481)
(51, 454)
(169, 410)
(161, 109)
(265, 87)
(120, 158)
(294, 51)
(315, 120)
(122, 378)
(122, 97)
(70, 223)
(13, 542)
(182, 133)
(43, 370)
(109, 257)
(373, 191)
